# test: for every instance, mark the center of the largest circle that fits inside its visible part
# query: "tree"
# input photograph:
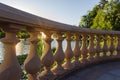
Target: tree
(105, 17)
(21, 34)
(102, 3)
(100, 21)
(84, 22)
(87, 20)
(108, 18)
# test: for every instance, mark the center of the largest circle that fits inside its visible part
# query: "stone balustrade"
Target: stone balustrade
(91, 46)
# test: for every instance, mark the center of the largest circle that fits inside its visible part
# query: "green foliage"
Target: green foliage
(24, 75)
(21, 59)
(2, 34)
(41, 46)
(108, 18)
(87, 20)
(100, 21)
(53, 49)
(105, 16)
(22, 35)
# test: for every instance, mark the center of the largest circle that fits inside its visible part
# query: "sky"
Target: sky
(64, 11)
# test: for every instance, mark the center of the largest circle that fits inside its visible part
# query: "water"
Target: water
(1, 51)
(23, 47)
(64, 44)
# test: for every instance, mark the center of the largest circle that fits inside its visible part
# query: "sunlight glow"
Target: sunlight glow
(43, 34)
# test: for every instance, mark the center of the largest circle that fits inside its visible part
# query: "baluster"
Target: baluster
(47, 59)
(68, 53)
(91, 50)
(32, 63)
(10, 68)
(98, 48)
(118, 46)
(59, 56)
(84, 49)
(105, 47)
(76, 51)
(111, 48)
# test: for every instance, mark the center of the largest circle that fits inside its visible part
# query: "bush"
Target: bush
(23, 35)
(53, 49)
(21, 58)
(40, 47)
(2, 34)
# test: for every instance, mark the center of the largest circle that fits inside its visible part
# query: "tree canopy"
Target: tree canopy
(105, 15)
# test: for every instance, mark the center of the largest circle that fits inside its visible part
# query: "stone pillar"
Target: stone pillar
(105, 47)
(68, 53)
(98, 48)
(47, 58)
(32, 63)
(59, 56)
(118, 46)
(76, 51)
(111, 47)
(84, 49)
(10, 68)
(91, 50)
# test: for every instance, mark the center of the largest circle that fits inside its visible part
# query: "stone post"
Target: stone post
(98, 48)
(68, 53)
(59, 56)
(105, 47)
(111, 47)
(118, 46)
(32, 63)
(91, 50)
(76, 51)
(10, 68)
(84, 49)
(47, 58)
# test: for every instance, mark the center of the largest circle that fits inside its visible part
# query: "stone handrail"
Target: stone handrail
(91, 46)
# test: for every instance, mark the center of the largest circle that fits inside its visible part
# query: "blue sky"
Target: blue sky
(64, 11)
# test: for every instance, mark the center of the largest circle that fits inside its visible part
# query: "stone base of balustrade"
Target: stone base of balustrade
(73, 70)
(58, 70)
(118, 56)
(68, 66)
(115, 56)
(91, 60)
(77, 68)
(104, 58)
(97, 59)
(84, 61)
(110, 57)
(78, 64)
(67, 72)
(46, 76)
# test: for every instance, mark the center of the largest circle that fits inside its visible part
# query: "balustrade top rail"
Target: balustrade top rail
(11, 15)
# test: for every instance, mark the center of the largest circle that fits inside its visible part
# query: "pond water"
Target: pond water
(1, 51)
(23, 47)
